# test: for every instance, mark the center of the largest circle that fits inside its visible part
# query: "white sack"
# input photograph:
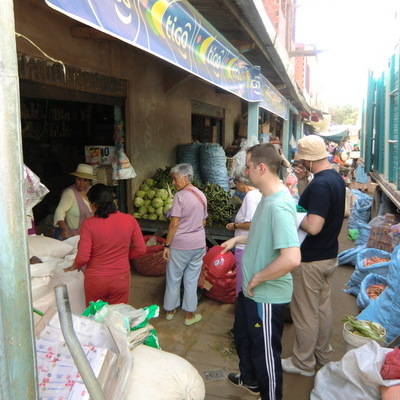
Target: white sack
(356, 376)
(159, 375)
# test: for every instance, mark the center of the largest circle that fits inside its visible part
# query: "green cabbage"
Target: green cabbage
(162, 194)
(160, 211)
(138, 202)
(140, 193)
(153, 216)
(150, 194)
(157, 202)
(149, 182)
(142, 210)
(151, 210)
(144, 187)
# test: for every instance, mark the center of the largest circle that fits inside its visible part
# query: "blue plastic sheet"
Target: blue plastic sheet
(386, 308)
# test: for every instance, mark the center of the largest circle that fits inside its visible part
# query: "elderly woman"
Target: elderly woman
(241, 226)
(108, 240)
(74, 207)
(185, 244)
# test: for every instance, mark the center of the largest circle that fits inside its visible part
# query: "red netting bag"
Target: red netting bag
(152, 263)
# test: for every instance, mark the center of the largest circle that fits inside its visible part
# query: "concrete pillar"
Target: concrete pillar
(17, 349)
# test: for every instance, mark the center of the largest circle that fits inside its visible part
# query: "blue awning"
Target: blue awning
(176, 32)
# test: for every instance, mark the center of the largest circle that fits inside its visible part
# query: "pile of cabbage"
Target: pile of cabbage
(152, 202)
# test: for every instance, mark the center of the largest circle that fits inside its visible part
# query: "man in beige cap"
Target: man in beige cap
(324, 200)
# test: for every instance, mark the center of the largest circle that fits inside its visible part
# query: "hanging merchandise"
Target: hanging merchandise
(122, 167)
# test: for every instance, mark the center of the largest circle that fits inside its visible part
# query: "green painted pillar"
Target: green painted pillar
(17, 349)
(252, 119)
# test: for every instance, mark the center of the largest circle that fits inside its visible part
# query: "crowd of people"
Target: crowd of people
(273, 269)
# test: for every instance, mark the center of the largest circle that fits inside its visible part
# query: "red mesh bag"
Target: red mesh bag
(223, 288)
(152, 263)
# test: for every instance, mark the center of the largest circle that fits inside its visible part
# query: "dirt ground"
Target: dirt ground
(208, 344)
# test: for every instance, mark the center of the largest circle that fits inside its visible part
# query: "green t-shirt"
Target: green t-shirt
(273, 227)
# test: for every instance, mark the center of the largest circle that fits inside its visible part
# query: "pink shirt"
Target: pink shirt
(107, 244)
(190, 234)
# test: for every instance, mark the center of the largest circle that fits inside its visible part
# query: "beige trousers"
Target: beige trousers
(312, 313)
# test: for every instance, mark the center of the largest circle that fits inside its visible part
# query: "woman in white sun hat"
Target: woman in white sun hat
(74, 207)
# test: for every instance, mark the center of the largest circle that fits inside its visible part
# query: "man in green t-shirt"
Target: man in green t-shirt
(272, 251)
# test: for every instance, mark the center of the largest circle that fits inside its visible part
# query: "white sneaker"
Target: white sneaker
(288, 366)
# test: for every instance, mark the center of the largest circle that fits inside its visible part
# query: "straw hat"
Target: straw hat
(311, 148)
(84, 171)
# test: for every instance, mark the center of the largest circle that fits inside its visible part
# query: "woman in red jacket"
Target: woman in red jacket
(107, 241)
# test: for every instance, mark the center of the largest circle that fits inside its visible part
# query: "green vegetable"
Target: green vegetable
(157, 202)
(152, 216)
(150, 194)
(160, 211)
(365, 328)
(147, 202)
(140, 193)
(138, 202)
(162, 194)
(151, 210)
(167, 207)
(144, 187)
(149, 182)
(137, 215)
(142, 210)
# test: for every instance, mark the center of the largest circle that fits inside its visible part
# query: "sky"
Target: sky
(356, 35)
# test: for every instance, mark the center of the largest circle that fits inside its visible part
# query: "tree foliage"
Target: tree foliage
(344, 115)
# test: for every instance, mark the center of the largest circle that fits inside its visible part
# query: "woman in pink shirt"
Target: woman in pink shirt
(185, 244)
(107, 241)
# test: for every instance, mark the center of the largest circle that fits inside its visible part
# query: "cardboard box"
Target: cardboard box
(99, 155)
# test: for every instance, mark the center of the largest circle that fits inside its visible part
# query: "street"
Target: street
(208, 345)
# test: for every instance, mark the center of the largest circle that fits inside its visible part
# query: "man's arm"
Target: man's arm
(288, 260)
(312, 224)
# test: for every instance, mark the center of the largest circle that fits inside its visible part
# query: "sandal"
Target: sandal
(191, 321)
(170, 314)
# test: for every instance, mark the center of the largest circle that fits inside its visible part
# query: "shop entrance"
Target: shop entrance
(54, 136)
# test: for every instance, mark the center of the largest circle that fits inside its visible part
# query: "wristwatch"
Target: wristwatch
(167, 245)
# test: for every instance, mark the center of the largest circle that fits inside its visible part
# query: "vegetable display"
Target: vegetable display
(155, 195)
(367, 329)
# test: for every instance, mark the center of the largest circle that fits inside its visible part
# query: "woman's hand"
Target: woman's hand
(229, 244)
(65, 233)
(73, 267)
(166, 254)
(230, 226)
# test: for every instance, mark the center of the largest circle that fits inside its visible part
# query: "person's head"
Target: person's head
(241, 180)
(182, 175)
(311, 149)
(83, 177)
(101, 200)
(262, 156)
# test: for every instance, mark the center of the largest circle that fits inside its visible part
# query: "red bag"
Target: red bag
(223, 288)
(218, 264)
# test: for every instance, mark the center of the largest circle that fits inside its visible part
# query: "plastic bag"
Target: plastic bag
(361, 271)
(34, 189)
(218, 264)
(349, 256)
(380, 232)
(356, 376)
(363, 299)
(122, 168)
(386, 308)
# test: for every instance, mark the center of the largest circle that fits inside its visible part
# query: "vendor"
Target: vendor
(74, 207)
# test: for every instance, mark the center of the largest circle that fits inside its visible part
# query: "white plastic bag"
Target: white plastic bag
(356, 376)
(122, 168)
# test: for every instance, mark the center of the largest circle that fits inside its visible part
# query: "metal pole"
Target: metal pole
(75, 348)
(252, 120)
(17, 347)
